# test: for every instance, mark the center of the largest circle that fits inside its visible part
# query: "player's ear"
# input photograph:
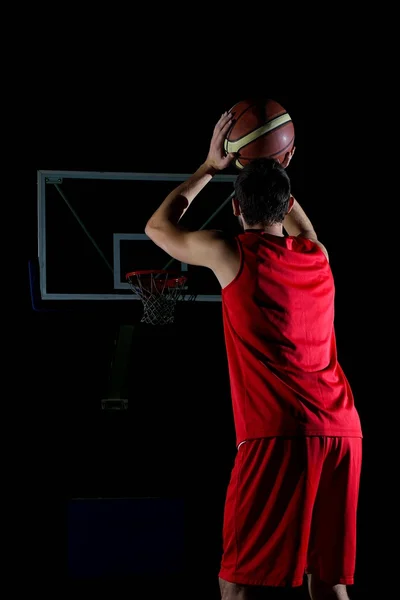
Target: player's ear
(235, 207)
(291, 202)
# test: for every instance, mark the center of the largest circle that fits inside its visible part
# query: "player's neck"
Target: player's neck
(275, 229)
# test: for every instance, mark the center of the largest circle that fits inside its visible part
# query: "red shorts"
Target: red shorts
(291, 508)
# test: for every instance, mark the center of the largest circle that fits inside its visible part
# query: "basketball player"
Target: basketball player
(292, 498)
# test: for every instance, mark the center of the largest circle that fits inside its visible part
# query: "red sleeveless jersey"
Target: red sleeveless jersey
(278, 316)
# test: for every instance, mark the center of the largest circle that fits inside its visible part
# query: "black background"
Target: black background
(163, 123)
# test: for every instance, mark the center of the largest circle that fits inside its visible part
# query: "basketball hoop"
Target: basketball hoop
(159, 291)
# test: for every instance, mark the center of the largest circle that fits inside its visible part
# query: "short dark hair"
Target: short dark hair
(262, 189)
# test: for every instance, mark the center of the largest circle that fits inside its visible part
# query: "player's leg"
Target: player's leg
(319, 590)
(235, 591)
(267, 516)
(332, 547)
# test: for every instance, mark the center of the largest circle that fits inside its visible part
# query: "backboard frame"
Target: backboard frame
(48, 177)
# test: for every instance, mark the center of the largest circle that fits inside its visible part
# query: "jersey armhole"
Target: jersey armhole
(239, 246)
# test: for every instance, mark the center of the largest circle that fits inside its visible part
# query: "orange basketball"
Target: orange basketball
(261, 128)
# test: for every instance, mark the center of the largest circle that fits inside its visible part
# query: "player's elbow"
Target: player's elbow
(151, 229)
(162, 234)
(156, 235)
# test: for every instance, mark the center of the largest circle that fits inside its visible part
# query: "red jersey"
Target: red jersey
(278, 316)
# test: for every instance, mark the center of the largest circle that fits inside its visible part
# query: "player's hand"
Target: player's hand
(217, 158)
(288, 158)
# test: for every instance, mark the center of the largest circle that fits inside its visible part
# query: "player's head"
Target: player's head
(262, 193)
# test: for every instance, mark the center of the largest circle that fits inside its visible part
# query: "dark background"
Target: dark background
(74, 449)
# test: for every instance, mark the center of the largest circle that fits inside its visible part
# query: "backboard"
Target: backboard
(91, 232)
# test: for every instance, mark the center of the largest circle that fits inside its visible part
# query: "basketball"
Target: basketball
(261, 129)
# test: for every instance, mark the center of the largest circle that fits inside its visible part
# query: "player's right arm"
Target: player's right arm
(296, 223)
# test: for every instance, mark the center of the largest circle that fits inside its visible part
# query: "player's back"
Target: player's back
(280, 339)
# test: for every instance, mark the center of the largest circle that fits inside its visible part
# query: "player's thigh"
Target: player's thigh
(332, 546)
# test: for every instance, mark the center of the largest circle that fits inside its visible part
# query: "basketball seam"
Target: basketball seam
(239, 165)
(278, 153)
(282, 149)
(237, 145)
(279, 114)
(275, 153)
(237, 117)
(266, 134)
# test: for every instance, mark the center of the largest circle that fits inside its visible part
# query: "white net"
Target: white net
(159, 292)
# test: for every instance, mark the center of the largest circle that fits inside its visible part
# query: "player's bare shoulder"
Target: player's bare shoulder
(313, 238)
(227, 258)
(323, 248)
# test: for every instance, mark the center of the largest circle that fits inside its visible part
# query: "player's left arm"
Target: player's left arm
(193, 247)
